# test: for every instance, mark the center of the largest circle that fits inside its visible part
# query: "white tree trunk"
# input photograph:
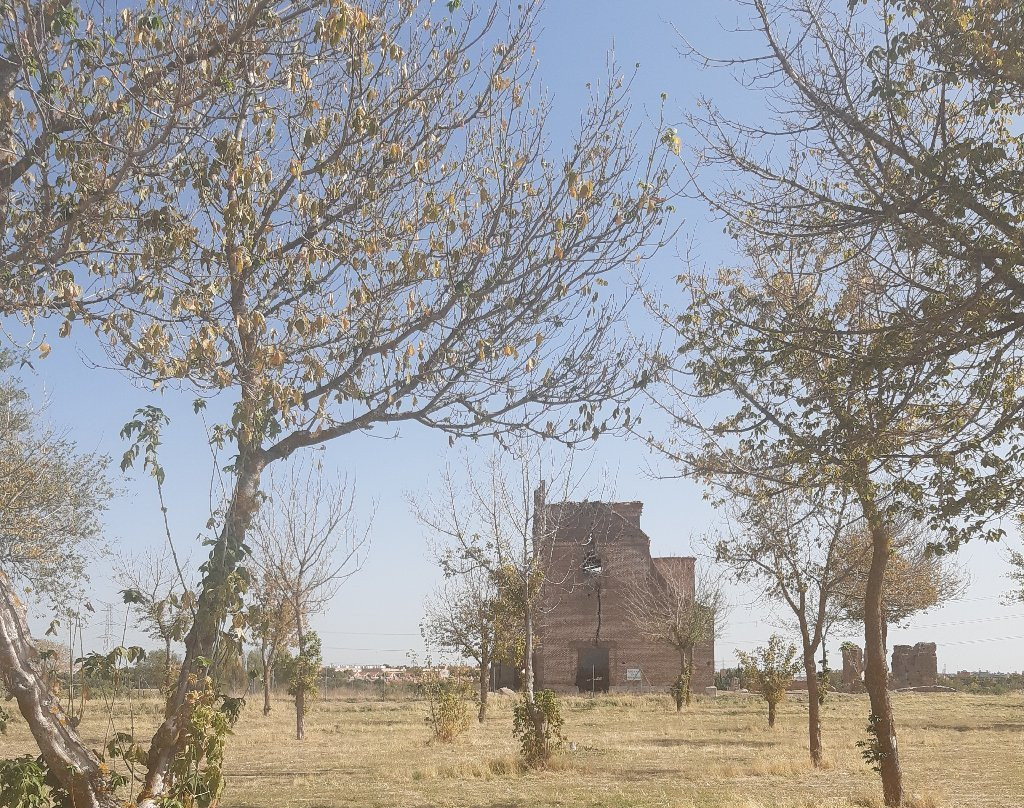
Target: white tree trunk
(74, 765)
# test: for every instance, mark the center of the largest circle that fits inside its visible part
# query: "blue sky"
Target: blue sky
(375, 616)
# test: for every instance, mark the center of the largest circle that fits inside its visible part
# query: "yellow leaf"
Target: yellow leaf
(44, 350)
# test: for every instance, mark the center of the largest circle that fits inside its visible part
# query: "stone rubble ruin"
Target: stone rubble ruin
(914, 665)
(853, 667)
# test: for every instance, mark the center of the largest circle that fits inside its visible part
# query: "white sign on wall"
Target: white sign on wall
(633, 675)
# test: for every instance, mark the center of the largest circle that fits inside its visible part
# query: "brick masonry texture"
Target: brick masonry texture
(853, 668)
(914, 665)
(582, 608)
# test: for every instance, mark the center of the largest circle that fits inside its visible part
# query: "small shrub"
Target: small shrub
(448, 706)
(539, 734)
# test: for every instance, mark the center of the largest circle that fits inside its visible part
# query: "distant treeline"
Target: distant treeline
(995, 684)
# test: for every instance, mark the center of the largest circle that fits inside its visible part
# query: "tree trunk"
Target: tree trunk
(69, 760)
(689, 677)
(771, 714)
(167, 664)
(211, 608)
(265, 660)
(539, 517)
(680, 682)
(485, 673)
(536, 716)
(813, 706)
(528, 655)
(539, 532)
(300, 683)
(876, 671)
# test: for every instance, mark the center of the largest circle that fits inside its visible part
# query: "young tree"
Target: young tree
(790, 358)
(790, 545)
(302, 672)
(271, 622)
(462, 618)
(162, 604)
(371, 229)
(306, 545)
(447, 697)
(670, 608)
(770, 670)
(495, 522)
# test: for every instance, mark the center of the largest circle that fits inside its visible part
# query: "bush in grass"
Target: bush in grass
(448, 699)
(538, 730)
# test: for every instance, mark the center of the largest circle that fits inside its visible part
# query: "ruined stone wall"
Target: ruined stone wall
(581, 611)
(853, 668)
(914, 666)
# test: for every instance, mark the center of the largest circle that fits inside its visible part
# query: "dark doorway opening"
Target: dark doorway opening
(505, 675)
(592, 670)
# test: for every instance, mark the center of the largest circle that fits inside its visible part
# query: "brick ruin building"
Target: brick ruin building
(591, 554)
(853, 667)
(914, 665)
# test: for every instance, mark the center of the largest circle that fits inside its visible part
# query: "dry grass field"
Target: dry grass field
(959, 750)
